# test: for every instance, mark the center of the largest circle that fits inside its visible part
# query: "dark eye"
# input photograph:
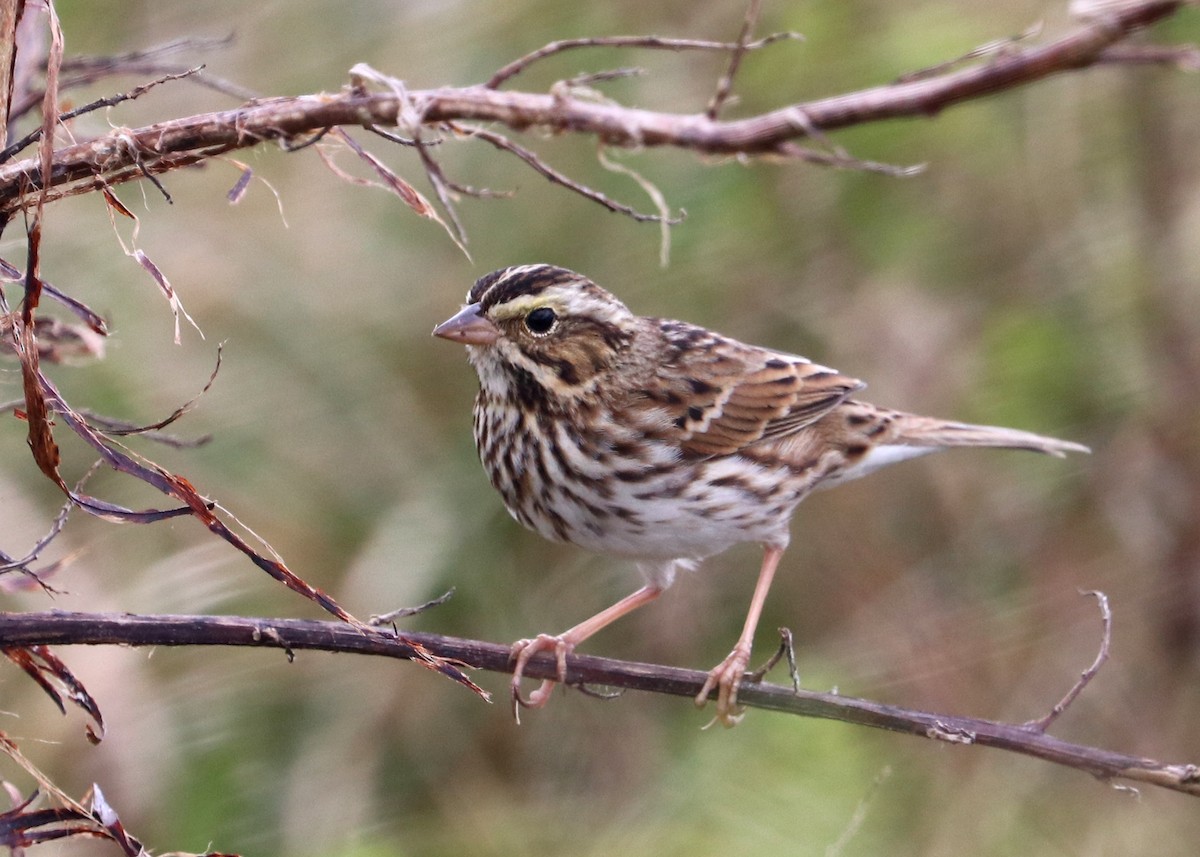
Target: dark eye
(540, 320)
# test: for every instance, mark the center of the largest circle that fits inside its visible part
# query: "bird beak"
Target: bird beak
(468, 327)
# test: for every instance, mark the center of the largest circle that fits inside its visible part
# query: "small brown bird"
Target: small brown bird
(664, 442)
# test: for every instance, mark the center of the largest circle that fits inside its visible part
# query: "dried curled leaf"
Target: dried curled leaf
(58, 682)
(56, 341)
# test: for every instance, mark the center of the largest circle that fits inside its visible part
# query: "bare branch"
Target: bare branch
(126, 154)
(65, 628)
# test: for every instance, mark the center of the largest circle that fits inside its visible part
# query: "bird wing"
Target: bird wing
(719, 395)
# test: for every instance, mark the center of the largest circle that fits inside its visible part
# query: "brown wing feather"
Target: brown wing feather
(717, 400)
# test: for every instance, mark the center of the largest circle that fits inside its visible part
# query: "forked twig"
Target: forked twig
(108, 101)
(518, 65)
(725, 84)
(84, 70)
(542, 168)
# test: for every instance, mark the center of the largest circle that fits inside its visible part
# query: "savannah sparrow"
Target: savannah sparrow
(664, 442)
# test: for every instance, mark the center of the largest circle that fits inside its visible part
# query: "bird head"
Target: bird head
(541, 323)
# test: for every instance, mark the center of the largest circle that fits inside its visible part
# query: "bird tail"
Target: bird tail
(912, 430)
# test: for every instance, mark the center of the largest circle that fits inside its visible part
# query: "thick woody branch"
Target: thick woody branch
(126, 154)
(62, 628)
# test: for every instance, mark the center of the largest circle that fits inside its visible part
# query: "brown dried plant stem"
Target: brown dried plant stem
(10, 13)
(64, 628)
(131, 153)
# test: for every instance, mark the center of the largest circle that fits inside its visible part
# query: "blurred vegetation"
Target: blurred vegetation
(1042, 273)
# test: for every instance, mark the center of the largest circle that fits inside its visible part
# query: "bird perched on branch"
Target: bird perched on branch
(664, 442)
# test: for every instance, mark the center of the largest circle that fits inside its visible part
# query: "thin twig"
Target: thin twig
(1182, 57)
(60, 520)
(65, 628)
(394, 183)
(401, 140)
(649, 42)
(587, 690)
(656, 196)
(1085, 677)
(855, 824)
(725, 84)
(786, 649)
(112, 426)
(404, 612)
(442, 187)
(125, 431)
(841, 159)
(541, 167)
(987, 49)
(588, 78)
(84, 70)
(109, 101)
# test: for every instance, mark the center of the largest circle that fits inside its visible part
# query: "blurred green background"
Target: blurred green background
(1043, 273)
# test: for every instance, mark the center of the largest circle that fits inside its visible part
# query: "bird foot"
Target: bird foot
(726, 677)
(521, 652)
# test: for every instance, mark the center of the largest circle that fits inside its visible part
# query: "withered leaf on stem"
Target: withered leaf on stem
(89, 316)
(37, 415)
(45, 668)
(103, 812)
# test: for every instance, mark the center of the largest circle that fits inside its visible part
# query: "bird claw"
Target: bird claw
(521, 652)
(726, 677)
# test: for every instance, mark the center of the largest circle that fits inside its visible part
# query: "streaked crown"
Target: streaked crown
(557, 327)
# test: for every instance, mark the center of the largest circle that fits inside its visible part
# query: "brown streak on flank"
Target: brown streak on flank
(626, 449)
(730, 481)
(597, 484)
(625, 514)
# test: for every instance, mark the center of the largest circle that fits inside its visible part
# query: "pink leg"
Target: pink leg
(563, 644)
(727, 675)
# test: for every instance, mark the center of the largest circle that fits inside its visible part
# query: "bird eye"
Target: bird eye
(540, 320)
